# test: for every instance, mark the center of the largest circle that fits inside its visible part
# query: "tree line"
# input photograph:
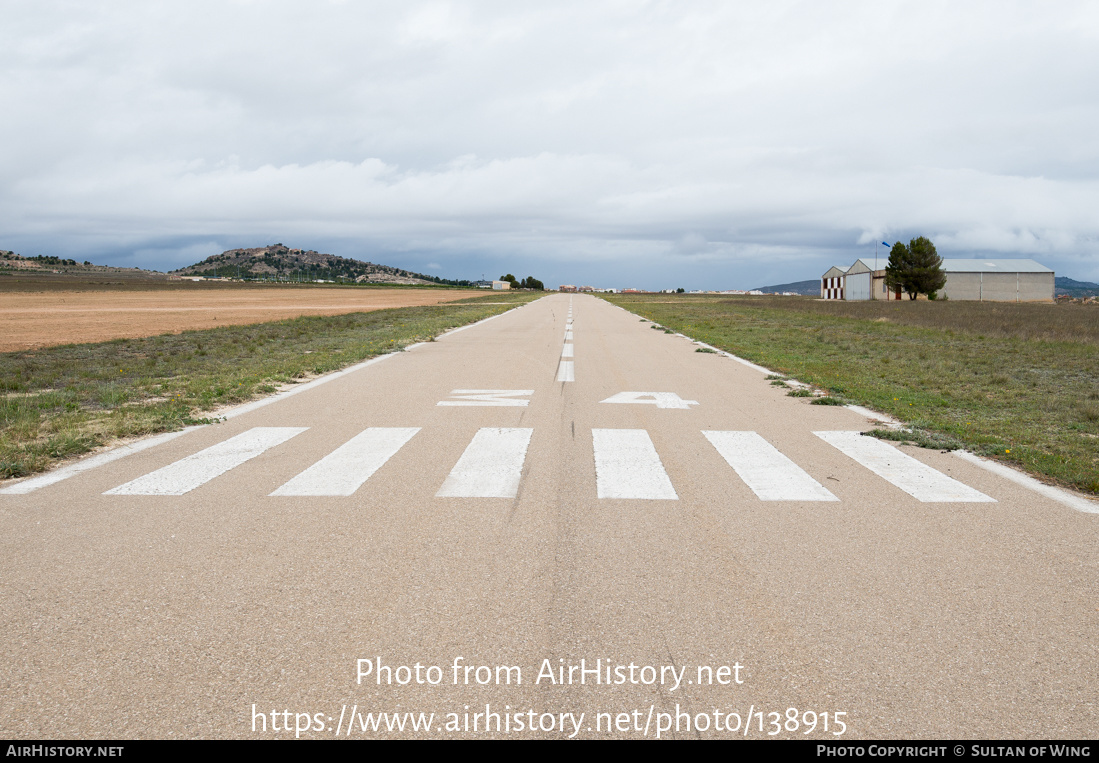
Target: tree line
(530, 282)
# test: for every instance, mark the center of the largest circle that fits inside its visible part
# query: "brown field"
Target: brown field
(32, 318)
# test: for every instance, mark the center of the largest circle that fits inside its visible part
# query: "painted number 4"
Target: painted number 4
(659, 399)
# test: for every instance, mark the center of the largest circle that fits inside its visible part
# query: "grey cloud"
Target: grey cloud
(664, 138)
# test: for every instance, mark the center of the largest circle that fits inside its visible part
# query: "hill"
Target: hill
(42, 265)
(1073, 288)
(808, 288)
(279, 262)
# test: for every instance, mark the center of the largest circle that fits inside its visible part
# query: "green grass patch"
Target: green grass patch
(1018, 382)
(917, 437)
(63, 401)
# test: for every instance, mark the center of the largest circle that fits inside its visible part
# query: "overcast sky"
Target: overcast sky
(620, 143)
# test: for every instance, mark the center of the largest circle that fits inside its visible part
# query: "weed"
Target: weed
(800, 392)
(916, 437)
(826, 401)
(705, 349)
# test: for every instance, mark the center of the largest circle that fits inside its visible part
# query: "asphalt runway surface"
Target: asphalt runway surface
(557, 522)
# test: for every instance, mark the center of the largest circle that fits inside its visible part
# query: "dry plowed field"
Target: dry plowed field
(40, 319)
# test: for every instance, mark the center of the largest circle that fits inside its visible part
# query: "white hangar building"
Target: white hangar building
(998, 280)
(966, 279)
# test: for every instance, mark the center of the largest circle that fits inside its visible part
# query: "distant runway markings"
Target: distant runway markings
(770, 475)
(568, 336)
(566, 351)
(659, 399)
(913, 477)
(185, 475)
(488, 397)
(627, 466)
(344, 470)
(491, 465)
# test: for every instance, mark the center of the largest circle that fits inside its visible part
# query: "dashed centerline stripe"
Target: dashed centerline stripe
(913, 477)
(566, 351)
(627, 466)
(344, 470)
(185, 475)
(491, 465)
(771, 475)
(565, 372)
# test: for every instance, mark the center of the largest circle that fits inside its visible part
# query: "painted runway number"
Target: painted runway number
(659, 399)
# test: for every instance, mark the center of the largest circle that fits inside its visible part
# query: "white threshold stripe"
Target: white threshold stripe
(770, 474)
(491, 465)
(1077, 502)
(34, 483)
(186, 474)
(566, 372)
(566, 351)
(568, 336)
(627, 466)
(344, 470)
(913, 477)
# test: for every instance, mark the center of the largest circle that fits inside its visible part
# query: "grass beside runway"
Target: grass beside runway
(62, 401)
(1017, 382)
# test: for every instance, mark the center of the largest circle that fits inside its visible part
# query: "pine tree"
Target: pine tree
(927, 275)
(896, 271)
(916, 268)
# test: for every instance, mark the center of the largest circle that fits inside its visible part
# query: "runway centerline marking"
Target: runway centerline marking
(491, 465)
(344, 470)
(566, 372)
(627, 466)
(186, 474)
(566, 351)
(913, 477)
(770, 474)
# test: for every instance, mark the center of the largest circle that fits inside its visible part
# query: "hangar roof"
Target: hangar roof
(994, 266)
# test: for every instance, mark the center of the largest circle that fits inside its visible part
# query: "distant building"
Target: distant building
(831, 283)
(566, 287)
(501, 285)
(998, 280)
(985, 280)
(861, 282)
